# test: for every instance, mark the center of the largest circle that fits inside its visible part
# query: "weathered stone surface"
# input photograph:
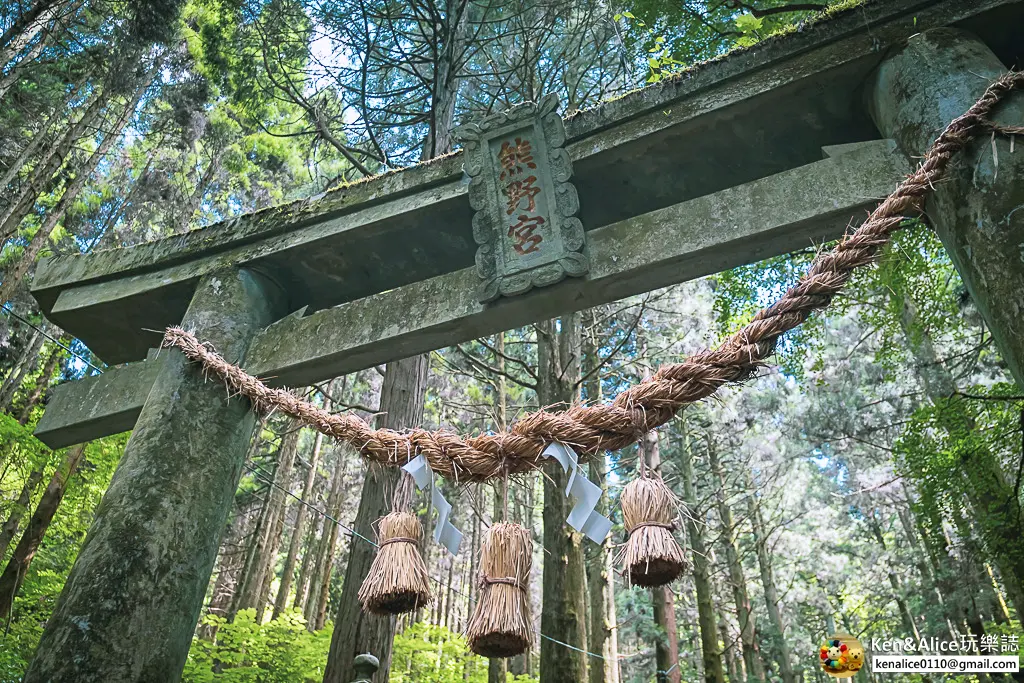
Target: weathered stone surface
(321, 263)
(755, 113)
(66, 269)
(765, 218)
(147, 559)
(365, 666)
(97, 406)
(978, 211)
(754, 221)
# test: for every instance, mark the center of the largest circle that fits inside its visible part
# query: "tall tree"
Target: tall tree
(252, 591)
(604, 633)
(298, 531)
(706, 617)
(11, 526)
(32, 26)
(355, 632)
(27, 361)
(771, 592)
(737, 581)
(280, 500)
(662, 598)
(898, 594)
(993, 498)
(40, 137)
(19, 206)
(14, 274)
(316, 609)
(42, 382)
(440, 47)
(564, 605)
(17, 567)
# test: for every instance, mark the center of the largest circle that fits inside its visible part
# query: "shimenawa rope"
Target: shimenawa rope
(648, 404)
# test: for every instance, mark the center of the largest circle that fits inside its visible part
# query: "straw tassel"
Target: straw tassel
(502, 625)
(398, 581)
(652, 557)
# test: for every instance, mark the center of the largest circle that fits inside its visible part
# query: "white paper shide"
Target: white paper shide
(445, 532)
(583, 517)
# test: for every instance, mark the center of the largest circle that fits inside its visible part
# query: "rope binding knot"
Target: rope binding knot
(397, 539)
(670, 527)
(506, 580)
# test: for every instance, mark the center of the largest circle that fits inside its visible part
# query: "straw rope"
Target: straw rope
(652, 402)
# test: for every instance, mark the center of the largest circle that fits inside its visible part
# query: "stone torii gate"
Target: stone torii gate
(767, 151)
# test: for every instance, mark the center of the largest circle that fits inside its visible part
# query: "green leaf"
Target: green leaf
(748, 23)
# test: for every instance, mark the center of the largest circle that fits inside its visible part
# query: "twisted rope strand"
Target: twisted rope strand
(652, 402)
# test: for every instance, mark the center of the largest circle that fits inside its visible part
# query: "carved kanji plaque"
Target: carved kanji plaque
(524, 206)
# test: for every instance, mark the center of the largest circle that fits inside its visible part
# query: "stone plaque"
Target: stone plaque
(525, 209)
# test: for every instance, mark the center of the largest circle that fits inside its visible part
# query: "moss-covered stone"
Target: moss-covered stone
(97, 406)
(753, 221)
(978, 211)
(756, 220)
(130, 605)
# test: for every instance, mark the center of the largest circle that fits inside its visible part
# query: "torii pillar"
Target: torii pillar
(149, 554)
(978, 209)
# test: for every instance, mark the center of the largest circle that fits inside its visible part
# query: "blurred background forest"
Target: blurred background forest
(870, 483)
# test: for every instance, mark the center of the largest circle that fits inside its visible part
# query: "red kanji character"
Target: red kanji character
(523, 232)
(513, 157)
(518, 190)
